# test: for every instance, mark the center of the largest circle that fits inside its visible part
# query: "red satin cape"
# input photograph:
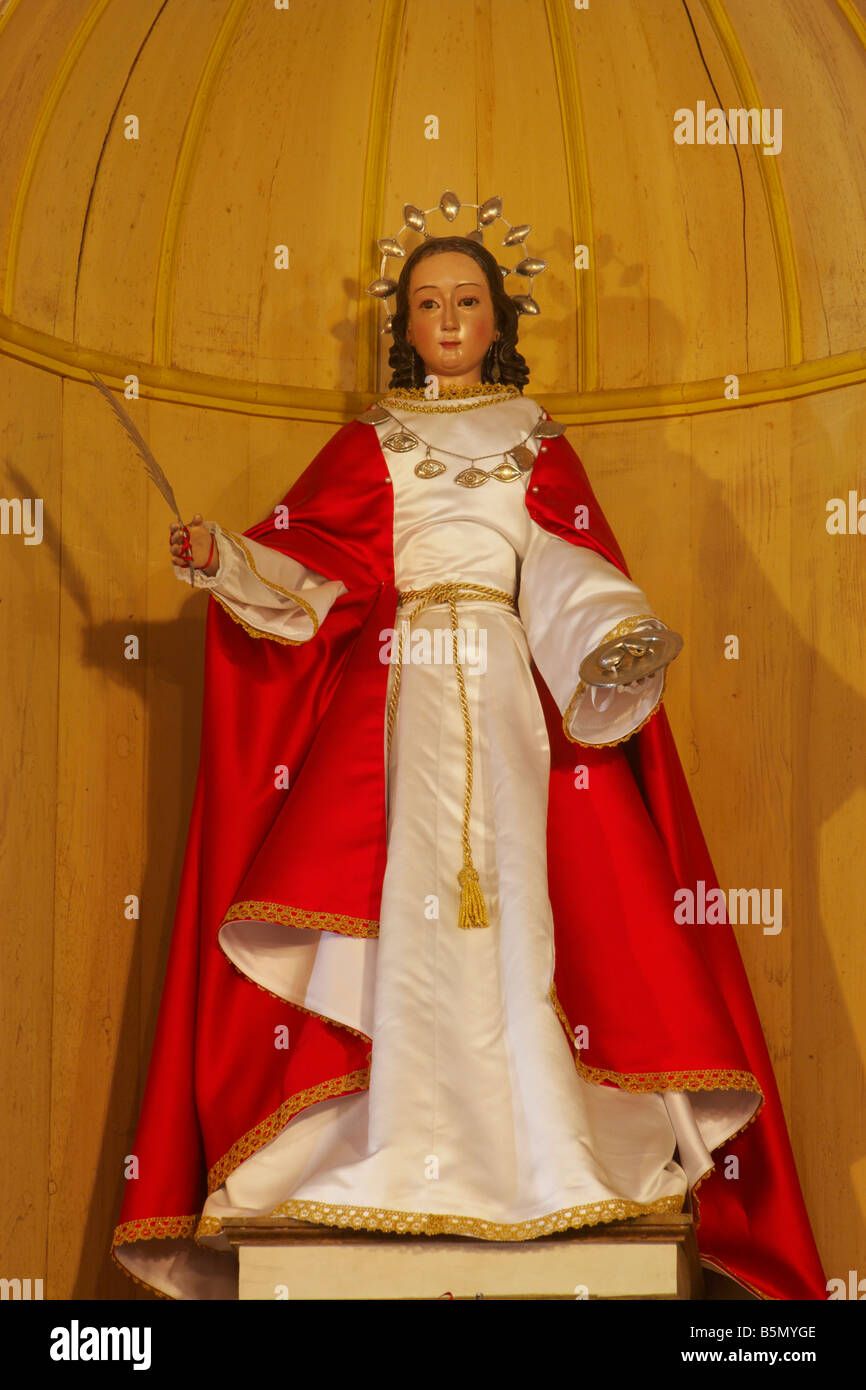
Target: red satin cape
(666, 1006)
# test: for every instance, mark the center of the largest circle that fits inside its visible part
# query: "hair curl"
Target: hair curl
(407, 366)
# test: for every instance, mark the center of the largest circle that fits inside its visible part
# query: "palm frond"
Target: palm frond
(154, 471)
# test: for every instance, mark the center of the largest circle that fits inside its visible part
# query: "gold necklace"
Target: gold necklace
(516, 461)
(450, 398)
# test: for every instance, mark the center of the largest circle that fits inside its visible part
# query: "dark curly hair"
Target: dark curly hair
(407, 366)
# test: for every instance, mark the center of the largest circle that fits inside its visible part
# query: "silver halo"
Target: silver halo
(449, 205)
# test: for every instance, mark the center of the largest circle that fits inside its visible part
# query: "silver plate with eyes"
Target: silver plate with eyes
(630, 658)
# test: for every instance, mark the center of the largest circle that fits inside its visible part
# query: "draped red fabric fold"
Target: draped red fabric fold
(664, 1005)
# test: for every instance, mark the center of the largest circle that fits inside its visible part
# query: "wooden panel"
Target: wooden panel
(828, 825)
(436, 78)
(54, 209)
(33, 39)
(29, 790)
(520, 155)
(808, 60)
(669, 248)
(130, 181)
(100, 824)
(294, 167)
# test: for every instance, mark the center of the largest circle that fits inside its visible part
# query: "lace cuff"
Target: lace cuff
(598, 716)
(268, 593)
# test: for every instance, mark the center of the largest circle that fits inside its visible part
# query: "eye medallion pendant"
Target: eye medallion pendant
(512, 466)
(472, 477)
(429, 468)
(401, 441)
(506, 472)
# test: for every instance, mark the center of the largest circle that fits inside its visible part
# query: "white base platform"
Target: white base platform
(649, 1257)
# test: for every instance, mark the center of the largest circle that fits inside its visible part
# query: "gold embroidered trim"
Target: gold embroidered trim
(270, 1126)
(339, 922)
(287, 593)
(456, 390)
(434, 1224)
(154, 1228)
(621, 630)
(326, 1018)
(415, 398)
(255, 631)
(703, 1079)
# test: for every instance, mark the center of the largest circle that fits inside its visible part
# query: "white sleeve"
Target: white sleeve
(571, 601)
(268, 593)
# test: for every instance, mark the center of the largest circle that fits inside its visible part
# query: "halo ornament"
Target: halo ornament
(487, 214)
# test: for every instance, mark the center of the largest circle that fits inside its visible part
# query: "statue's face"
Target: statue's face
(451, 322)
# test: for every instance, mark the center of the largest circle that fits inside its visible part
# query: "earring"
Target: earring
(495, 373)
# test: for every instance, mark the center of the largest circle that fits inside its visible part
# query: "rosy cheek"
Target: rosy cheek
(480, 331)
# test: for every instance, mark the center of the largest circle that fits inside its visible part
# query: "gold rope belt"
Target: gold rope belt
(473, 911)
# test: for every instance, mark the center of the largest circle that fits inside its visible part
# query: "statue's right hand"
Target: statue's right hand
(197, 551)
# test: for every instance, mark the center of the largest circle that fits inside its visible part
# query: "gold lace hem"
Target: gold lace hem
(256, 631)
(621, 630)
(208, 1226)
(154, 1228)
(268, 1128)
(277, 588)
(279, 913)
(436, 1224)
(142, 1283)
(309, 611)
(701, 1079)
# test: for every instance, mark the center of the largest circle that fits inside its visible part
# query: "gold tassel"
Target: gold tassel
(473, 912)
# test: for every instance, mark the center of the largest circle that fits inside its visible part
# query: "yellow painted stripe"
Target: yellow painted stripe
(370, 310)
(577, 176)
(771, 182)
(184, 169)
(854, 18)
(776, 384)
(73, 362)
(43, 120)
(8, 13)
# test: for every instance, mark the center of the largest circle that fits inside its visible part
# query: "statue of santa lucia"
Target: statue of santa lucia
(426, 973)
